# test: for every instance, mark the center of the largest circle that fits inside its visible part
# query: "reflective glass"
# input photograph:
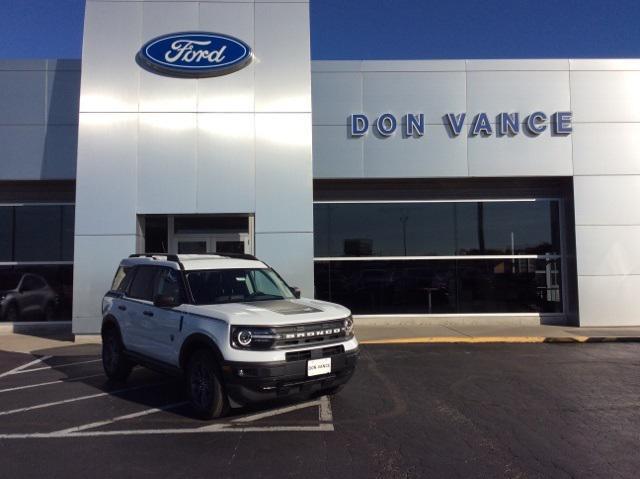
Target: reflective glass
(38, 233)
(518, 227)
(6, 233)
(53, 286)
(384, 229)
(68, 227)
(441, 286)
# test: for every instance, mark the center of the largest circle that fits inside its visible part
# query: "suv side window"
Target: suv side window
(169, 283)
(122, 279)
(143, 282)
(29, 283)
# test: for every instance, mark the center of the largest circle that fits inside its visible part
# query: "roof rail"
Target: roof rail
(170, 257)
(236, 255)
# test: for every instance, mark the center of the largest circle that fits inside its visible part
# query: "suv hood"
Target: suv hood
(271, 313)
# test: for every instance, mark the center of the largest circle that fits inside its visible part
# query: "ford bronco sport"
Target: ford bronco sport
(229, 324)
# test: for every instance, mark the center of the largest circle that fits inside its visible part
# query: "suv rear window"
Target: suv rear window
(143, 283)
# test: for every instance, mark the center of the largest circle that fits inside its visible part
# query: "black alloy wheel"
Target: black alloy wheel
(116, 366)
(204, 385)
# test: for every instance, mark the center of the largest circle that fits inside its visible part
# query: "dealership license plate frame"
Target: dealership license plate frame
(318, 367)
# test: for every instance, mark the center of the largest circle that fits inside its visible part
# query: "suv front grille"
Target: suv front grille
(309, 334)
(314, 353)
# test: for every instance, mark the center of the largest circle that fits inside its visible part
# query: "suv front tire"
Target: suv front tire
(204, 385)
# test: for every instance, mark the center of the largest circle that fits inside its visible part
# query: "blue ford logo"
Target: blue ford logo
(194, 54)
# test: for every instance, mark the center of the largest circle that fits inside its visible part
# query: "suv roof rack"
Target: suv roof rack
(236, 255)
(170, 257)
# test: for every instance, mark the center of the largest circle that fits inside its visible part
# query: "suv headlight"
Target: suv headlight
(348, 326)
(248, 337)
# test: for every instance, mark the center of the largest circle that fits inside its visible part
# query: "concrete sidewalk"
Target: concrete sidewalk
(438, 333)
(376, 333)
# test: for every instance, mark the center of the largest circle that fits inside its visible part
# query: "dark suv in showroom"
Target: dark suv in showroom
(26, 296)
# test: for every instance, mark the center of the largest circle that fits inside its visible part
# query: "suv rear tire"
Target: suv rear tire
(116, 366)
(204, 385)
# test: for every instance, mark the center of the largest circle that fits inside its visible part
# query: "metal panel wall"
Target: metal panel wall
(602, 154)
(39, 119)
(239, 143)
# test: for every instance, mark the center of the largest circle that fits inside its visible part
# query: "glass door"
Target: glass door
(217, 243)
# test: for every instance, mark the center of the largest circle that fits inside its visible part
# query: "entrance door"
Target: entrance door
(220, 243)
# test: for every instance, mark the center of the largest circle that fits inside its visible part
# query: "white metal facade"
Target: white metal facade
(242, 143)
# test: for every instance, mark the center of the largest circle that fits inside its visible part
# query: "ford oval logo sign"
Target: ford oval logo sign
(194, 54)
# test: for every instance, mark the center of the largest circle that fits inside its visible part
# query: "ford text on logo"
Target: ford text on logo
(194, 54)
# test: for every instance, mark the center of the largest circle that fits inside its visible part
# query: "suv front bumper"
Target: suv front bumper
(253, 382)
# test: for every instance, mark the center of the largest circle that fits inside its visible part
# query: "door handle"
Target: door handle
(122, 308)
(147, 313)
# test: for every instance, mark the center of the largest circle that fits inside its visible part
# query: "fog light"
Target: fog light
(244, 337)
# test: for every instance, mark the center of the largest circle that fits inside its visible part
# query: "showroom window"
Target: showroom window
(36, 244)
(440, 257)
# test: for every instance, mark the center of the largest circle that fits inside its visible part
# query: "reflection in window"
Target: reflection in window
(50, 285)
(441, 286)
(437, 228)
(6, 233)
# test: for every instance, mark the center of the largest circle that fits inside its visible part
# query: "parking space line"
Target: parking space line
(276, 412)
(20, 368)
(106, 422)
(81, 398)
(55, 366)
(147, 432)
(66, 380)
(236, 425)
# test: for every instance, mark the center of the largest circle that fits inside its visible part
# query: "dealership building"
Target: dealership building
(452, 190)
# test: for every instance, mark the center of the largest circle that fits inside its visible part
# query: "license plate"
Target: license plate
(316, 367)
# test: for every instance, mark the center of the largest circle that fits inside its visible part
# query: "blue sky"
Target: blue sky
(384, 29)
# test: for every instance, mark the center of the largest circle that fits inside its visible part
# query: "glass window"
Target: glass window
(509, 228)
(441, 286)
(209, 224)
(68, 227)
(53, 284)
(169, 283)
(122, 279)
(384, 229)
(6, 233)
(143, 283)
(37, 233)
(236, 285)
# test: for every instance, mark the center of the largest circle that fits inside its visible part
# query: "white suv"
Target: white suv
(229, 324)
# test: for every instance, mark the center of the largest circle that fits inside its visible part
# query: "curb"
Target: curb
(506, 339)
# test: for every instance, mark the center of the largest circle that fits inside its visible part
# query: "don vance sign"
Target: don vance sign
(412, 125)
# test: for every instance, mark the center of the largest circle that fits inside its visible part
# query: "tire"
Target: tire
(116, 366)
(49, 312)
(11, 314)
(204, 385)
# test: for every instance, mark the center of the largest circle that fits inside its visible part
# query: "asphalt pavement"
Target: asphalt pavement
(411, 410)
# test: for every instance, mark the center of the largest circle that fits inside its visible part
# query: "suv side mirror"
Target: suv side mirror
(166, 301)
(296, 291)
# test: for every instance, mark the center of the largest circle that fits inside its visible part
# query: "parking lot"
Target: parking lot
(538, 410)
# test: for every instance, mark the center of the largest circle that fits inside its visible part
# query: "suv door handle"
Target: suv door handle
(122, 308)
(147, 313)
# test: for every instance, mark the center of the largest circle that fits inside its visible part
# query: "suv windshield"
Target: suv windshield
(236, 285)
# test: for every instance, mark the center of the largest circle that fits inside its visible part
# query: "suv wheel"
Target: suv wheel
(116, 365)
(12, 314)
(49, 312)
(204, 385)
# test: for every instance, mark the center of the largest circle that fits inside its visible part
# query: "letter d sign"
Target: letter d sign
(359, 125)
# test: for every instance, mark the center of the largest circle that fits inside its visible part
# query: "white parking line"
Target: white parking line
(66, 380)
(325, 425)
(56, 366)
(20, 368)
(106, 422)
(81, 398)
(277, 412)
